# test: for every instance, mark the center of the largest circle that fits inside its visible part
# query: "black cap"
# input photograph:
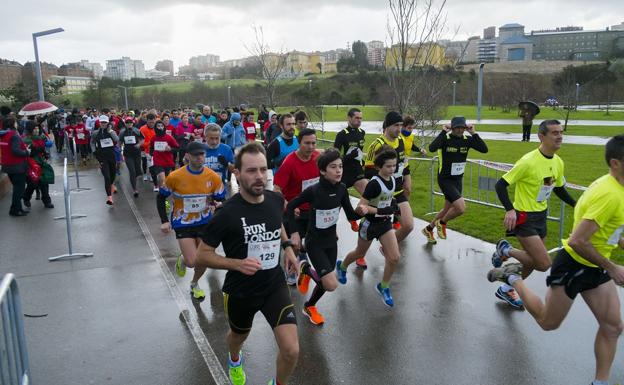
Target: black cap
(195, 148)
(391, 118)
(458, 122)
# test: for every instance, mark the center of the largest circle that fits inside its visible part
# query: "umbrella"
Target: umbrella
(531, 106)
(36, 108)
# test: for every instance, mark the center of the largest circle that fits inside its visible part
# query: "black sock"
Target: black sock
(307, 270)
(429, 227)
(316, 295)
(442, 222)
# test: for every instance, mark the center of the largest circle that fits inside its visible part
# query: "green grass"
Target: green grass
(606, 131)
(583, 164)
(470, 112)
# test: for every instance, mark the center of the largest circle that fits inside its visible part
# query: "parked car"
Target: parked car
(551, 102)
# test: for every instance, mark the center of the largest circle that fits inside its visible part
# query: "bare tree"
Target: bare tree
(273, 65)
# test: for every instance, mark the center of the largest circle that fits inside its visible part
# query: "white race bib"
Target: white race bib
(198, 140)
(108, 142)
(80, 135)
(458, 168)
(399, 172)
(544, 193)
(309, 182)
(615, 237)
(194, 204)
(383, 205)
(360, 154)
(129, 140)
(251, 130)
(267, 253)
(327, 218)
(160, 146)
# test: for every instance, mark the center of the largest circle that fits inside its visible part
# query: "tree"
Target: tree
(20, 94)
(272, 64)
(346, 64)
(320, 67)
(360, 54)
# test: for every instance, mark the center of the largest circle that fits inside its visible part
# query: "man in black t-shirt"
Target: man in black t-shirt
(249, 225)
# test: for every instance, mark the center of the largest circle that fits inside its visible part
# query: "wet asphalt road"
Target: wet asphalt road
(112, 319)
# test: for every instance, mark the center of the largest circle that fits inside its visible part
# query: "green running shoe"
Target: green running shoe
(167, 207)
(180, 266)
(236, 371)
(197, 292)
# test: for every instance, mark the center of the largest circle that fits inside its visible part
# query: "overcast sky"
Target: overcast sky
(152, 30)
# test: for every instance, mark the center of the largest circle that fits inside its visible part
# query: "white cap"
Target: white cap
(103, 119)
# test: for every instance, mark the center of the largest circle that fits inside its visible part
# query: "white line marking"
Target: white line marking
(216, 370)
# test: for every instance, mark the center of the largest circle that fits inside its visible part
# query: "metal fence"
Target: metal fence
(14, 365)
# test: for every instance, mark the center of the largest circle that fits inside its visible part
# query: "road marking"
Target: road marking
(216, 370)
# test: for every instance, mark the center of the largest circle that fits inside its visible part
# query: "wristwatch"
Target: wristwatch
(286, 244)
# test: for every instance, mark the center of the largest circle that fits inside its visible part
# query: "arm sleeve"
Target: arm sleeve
(438, 142)
(160, 206)
(15, 147)
(347, 207)
(338, 141)
(172, 142)
(503, 194)
(114, 136)
(369, 161)
(282, 176)
(272, 153)
(305, 197)
(564, 195)
(415, 147)
(372, 190)
(215, 231)
(478, 144)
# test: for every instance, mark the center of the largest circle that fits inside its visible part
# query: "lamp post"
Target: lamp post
(310, 85)
(229, 95)
(125, 89)
(37, 64)
(576, 99)
(480, 91)
(454, 84)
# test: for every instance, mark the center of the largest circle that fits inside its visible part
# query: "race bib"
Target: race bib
(194, 204)
(160, 146)
(309, 182)
(108, 142)
(80, 135)
(187, 135)
(251, 130)
(360, 154)
(615, 237)
(383, 205)
(327, 218)
(129, 140)
(198, 140)
(544, 192)
(458, 168)
(399, 171)
(266, 252)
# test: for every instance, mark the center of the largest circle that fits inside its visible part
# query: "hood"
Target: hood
(235, 116)
(271, 114)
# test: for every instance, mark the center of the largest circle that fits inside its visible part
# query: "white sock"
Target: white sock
(513, 278)
(194, 284)
(505, 287)
(598, 382)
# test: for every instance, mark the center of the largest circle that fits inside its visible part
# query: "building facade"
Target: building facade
(125, 69)
(426, 54)
(513, 45)
(74, 84)
(95, 68)
(202, 62)
(165, 66)
(577, 45)
(376, 53)
(10, 73)
(74, 69)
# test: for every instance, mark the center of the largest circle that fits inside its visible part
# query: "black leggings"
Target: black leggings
(43, 187)
(133, 163)
(18, 181)
(526, 132)
(109, 170)
(83, 149)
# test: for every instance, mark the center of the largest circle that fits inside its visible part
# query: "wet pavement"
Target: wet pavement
(117, 318)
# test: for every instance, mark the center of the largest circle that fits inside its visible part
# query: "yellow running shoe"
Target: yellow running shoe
(429, 235)
(197, 293)
(441, 228)
(180, 266)
(236, 371)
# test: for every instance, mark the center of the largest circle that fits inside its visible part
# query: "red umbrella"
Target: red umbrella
(36, 108)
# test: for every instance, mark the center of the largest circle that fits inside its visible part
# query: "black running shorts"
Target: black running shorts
(574, 276)
(277, 308)
(451, 188)
(323, 257)
(190, 231)
(531, 223)
(351, 175)
(373, 230)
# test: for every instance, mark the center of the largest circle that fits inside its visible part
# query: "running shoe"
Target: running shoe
(354, 226)
(441, 229)
(361, 263)
(511, 297)
(109, 200)
(503, 273)
(197, 292)
(340, 274)
(312, 313)
(167, 207)
(180, 266)
(385, 294)
(291, 279)
(155, 189)
(272, 381)
(136, 194)
(27, 204)
(499, 256)
(429, 235)
(303, 281)
(236, 371)
(145, 178)
(113, 189)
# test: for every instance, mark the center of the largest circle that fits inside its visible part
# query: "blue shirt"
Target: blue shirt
(210, 119)
(212, 159)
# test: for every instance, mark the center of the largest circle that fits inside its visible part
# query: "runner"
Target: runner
(536, 175)
(298, 172)
(249, 225)
(195, 190)
(378, 205)
(325, 199)
(105, 139)
(350, 142)
(147, 131)
(583, 264)
(284, 144)
(82, 140)
(132, 140)
(410, 146)
(452, 145)
(392, 125)
(161, 149)
(219, 156)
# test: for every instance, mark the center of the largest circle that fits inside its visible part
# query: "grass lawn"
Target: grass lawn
(470, 112)
(606, 131)
(583, 163)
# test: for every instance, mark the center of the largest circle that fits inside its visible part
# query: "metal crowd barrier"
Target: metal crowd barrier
(14, 364)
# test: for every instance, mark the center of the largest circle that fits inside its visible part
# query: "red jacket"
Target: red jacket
(163, 158)
(81, 134)
(250, 131)
(7, 157)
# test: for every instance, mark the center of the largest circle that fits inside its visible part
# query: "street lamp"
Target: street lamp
(480, 91)
(577, 96)
(454, 84)
(125, 95)
(310, 85)
(229, 96)
(37, 64)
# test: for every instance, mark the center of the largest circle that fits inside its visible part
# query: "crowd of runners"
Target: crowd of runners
(279, 228)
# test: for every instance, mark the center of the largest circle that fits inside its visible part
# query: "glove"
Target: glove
(390, 209)
(222, 160)
(352, 154)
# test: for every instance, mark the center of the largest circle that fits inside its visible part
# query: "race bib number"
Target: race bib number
(615, 237)
(194, 204)
(309, 182)
(160, 146)
(383, 205)
(544, 193)
(80, 135)
(129, 140)
(108, 142)
(198, 140)
(458, 168)
(251, 130)
(399, 172)
(266, 252)
(327, 218)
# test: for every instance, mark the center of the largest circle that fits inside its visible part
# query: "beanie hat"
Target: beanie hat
(391, 118)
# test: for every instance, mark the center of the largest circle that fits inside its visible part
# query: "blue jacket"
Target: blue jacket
(233, 136)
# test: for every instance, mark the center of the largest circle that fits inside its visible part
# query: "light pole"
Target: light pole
(454, 84)
(37, 64)
(229, 96)
(125, 89)
(480, 91)
(576, 99)
(310, 85)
